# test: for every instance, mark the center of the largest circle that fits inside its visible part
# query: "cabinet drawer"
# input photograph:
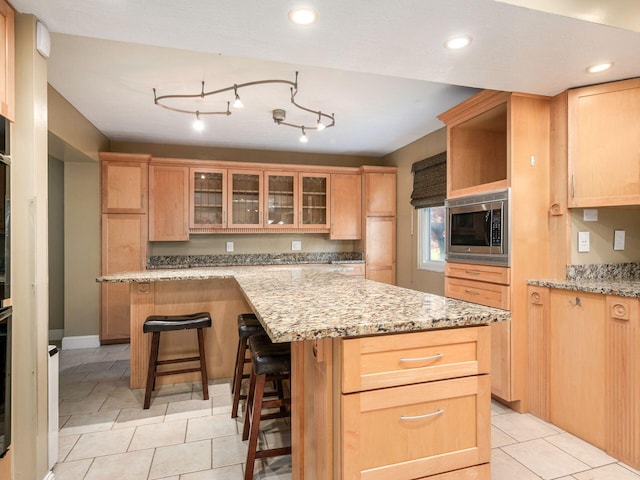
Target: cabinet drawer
(357, 270)
(392, 360)
(481, 273)
(484, 293)
(406, 432)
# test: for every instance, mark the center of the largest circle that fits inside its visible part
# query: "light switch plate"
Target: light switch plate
(296, 245)
(583, 242)
(618, 239)
(229, 247)
(590, 215)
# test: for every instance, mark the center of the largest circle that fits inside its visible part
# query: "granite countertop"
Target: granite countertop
(251, 259)
(620, 287)
(307, 302)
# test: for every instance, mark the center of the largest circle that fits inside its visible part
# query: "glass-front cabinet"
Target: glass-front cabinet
(245, 194)
(208, 199)
(282, 190)
(314, 200)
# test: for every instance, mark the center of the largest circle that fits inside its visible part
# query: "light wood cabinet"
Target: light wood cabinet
(124, 248)
(245, 192)
(168, 203)
(281, 199)
(207, 199)
(315, 200)
(346, 207)
(604, 144)
(124, 182)
(380, 249)
(379, 223)
(7, 61)
(414, 405)
(584, 367)
(498, 140)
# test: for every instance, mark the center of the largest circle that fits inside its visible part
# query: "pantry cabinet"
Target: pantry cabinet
(7, 61)
(584, 367)
(495, 141)
(124, 182)
(604, 144)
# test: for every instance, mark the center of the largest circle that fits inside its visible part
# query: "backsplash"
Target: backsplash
(187, 261)
(605, 271)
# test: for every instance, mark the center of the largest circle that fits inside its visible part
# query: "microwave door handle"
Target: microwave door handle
(487, 227)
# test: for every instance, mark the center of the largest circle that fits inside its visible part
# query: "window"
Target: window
(431, 238)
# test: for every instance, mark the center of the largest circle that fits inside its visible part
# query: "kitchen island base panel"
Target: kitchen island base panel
(221, 297)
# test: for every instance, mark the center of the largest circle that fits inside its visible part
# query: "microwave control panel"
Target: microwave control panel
(496, 227)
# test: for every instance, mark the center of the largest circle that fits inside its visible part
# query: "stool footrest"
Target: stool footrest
(272, 452)
(178, 360)
(175, 372)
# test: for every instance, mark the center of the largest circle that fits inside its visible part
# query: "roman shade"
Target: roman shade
(429, 181)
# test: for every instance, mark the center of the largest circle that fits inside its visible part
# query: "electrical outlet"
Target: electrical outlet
(296, 245)
(229, 247)
(618, 239)
(583, 242)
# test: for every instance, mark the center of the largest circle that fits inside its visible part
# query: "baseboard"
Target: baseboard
(80, 341)
(55, 335)
(50, 476)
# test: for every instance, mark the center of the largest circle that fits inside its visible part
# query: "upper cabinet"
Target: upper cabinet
(207, 199)
(7, 61)
(168, 203)
(124, 182)
(604, 144)
(346, 207)
(315, 189)
(245, 192)
(380, 194)
(281, 200)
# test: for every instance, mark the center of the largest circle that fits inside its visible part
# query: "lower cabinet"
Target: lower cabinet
(584, 367)
(402, 406)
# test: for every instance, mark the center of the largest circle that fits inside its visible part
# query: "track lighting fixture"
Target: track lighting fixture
(323, 120)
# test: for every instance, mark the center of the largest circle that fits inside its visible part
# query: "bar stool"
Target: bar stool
(248, 325)
(269, 361)
(166, 323)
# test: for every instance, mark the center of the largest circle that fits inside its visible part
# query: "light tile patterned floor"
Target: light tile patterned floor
(105, 433)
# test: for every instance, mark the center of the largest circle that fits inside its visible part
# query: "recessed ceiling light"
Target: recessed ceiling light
(303, 16)
(458, 42)
(600, 67)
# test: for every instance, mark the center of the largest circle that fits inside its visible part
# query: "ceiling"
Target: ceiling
(379, 66)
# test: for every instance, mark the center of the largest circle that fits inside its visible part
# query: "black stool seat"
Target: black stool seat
(248, 324)
(269, 358)
(167, 323)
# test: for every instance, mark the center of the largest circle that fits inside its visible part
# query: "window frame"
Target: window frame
(429, 264)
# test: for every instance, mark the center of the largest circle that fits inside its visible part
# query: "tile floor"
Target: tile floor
(105, 434)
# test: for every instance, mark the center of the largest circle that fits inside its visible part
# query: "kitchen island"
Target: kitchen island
(364, 354)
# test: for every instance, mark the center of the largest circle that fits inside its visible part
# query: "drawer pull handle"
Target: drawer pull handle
(471, 292)
(405, 418)
(422, 359)
(472, 272)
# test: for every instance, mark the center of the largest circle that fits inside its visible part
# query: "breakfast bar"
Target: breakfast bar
(386, 382)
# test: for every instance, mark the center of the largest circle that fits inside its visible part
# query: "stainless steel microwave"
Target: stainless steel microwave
(478, 228)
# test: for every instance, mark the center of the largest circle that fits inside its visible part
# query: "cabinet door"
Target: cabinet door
(538, 378)
(346, 207)
(380, 194)
(168, 203)
(623, 379)
(281, 199)
(244, 198)
(124, 187)
(207, 199)
(414, 431)
(124, 248)
(380, 249)
(314, 200)
(7, 61)
(577, 364)
(604, 145)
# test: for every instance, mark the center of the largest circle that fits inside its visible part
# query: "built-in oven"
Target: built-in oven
(5, 380)
(477, 228)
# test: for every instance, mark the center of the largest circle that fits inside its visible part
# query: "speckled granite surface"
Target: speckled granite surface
(621, 279)
(306, 302)
(226, 260)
